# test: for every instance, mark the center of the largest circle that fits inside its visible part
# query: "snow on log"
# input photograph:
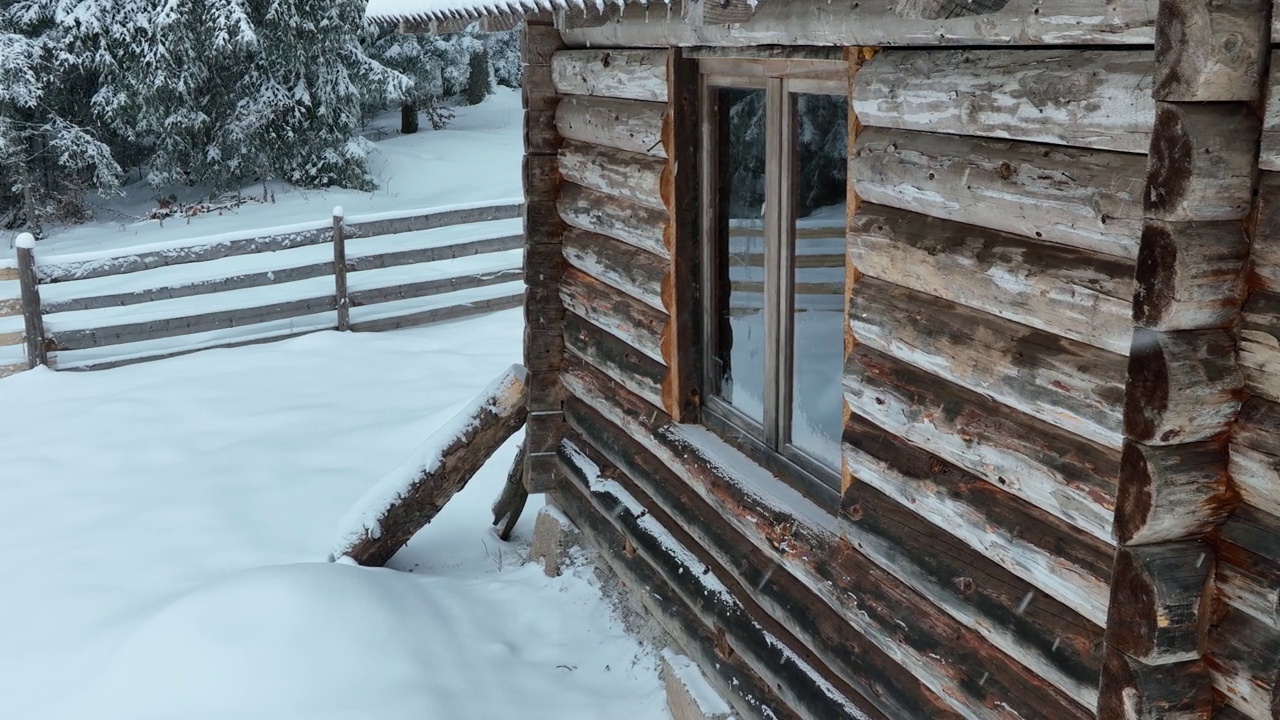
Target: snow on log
(411, 495)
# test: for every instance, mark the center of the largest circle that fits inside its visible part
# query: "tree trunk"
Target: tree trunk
(408, 119)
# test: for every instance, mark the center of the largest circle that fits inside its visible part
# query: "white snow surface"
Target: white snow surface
(167, 526)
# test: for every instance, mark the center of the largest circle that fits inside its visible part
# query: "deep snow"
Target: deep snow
(166, 525)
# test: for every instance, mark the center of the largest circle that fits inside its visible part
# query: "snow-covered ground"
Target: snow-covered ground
(166, 526)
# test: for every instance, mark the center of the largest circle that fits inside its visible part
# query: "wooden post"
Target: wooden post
(30, 286)
(341, 301)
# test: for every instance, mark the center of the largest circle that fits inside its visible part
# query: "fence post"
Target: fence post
(340, 271)
(29, 283)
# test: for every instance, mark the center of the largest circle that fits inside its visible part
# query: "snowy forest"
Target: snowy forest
(213, 94)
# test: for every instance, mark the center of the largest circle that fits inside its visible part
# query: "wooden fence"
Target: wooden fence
(96, 310)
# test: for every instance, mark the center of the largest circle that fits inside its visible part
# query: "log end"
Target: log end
(1160, 602)
(1155, 287)
(1147, 391)
(1171, 493)
(1131, 690)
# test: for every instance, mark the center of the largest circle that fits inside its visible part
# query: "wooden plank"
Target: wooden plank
(1097, 99)
(1080, 295)
(1260, 344)
(1211, 52)
(638, 324)
(1201, 166)
(1062, 382)
(83, 339)
(85, 269)
(10, 307)
(1088, 199)
(1059, 472)
(775, 656)
(1059, 559)
(1183, 386)
(624, 267)
(428, 288)
(8, 273)
(952, 660)
(1160, 601)
(443, 466)
(626, 221)
(855, 659)
(883, 23)
(32, 316)
(614, 73)
(434, 315)
(1264, 253)
(1244, 659)
(1269, 154)
(1254, 530)
(434, 254)
(1190, 275)
(1171, 493)
(341, 301)
(615, 358)
(631, 125)
(1133, 690)
(10, 339)
(629, 175)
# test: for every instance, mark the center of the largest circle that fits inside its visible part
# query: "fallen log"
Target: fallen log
(411, 495)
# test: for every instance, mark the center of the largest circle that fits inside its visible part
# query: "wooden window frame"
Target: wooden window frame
(763, 442)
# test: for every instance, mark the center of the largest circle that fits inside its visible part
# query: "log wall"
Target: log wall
(1050, 423)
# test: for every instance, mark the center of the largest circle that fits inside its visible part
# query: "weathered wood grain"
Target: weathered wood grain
(1183, 386)
(615, 358)
(1059, 559)
(1254, 530)
(882, 23)
(1059, 472)
(1160, 601)
(1248, 582)
(1095, 99)
(1080, 295)
(1244, 659)
(434, 315)
(682, 195)
(636, 272)
(634, 322)
(949, 658)
(1070, 384)
(1255, 455)
(1090, 199)
(855, 659)
(1172, 493)
(33, 329)
(629, 175)
(10, 307)
(629, 222)
(1264, 251)
(1133, 690)
(1210, 51)
(1201, 166)
(427, 288)
(1260, 344)
(632, 125)
(612, 72)
(1190, 275)
(1269, 153)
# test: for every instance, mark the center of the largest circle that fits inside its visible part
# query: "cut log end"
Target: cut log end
(1131, 690)
(1183, 386)
(1171, 493)
(1189, 276)
(1160, 602)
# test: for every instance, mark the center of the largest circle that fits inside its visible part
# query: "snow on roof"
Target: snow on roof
(444, 10)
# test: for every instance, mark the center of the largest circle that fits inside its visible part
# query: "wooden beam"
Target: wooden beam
(629, 222)
(1244, 659)
(613, 72)
(681, 193)
(616, 359)
(1183, 386)
(629, 175)
(631, 125)
(1082, 198)
(1264, 252)
(1255, 455)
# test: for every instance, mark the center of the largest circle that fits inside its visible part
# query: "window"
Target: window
(774, 163)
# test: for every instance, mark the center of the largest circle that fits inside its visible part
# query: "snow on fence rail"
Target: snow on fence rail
(94, 310)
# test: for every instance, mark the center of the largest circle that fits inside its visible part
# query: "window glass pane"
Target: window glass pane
(738, 352)
(817, 306)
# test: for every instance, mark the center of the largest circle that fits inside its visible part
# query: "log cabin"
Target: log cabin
(914, 358)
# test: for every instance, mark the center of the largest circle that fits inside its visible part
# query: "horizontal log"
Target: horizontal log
(733, 680)
(650, 535)
(401, 258)
(1062, 561)
(628, 175)
(1160, 601)
(949, 658)
(1269, 153)
(427, 288)
(1255, 455)
(1074, 293)
(1264, 252)
(13, 338)
(882, 23)
(1183, 386)
(1244, 659)
(624, 267)
(1059, 472)
(1088, 199)
(1092, 98)
(1201, 166)
(1062, 382)
(1172, 493)
(615, 73)
(434, 315)
(783, 597)
(638, 324)
(614, 357)
(55, 271)
(11, 307)
(8, 273)
(1133, 690)
(1254, 530)
(629, 222)
(1190, 275)
(1211, 52)
(1248, 582)
(631, 125)
(1260, 344)
(83, 339)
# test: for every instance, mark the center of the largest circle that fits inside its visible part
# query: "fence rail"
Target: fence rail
(107, 309)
